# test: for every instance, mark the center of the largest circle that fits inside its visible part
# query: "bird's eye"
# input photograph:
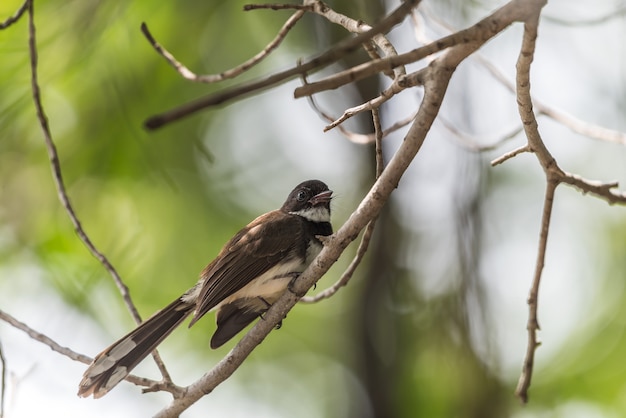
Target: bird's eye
(301, 196)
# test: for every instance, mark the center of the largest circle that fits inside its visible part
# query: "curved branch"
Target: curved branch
(73, 355)
(436, 81)
(233, 72)
(16, 16)
(254, 87)
(536, 145)
(60, 184)
(369, 230)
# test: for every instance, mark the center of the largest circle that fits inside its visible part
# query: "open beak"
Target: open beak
(320, 198)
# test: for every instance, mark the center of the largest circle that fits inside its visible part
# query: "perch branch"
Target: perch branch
(436, 81)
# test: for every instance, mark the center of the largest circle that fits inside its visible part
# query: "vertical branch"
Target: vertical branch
(533, 298)
(553, 174)
(60, 184)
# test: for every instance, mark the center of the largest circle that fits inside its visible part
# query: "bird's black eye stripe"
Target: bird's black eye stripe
(301, 196)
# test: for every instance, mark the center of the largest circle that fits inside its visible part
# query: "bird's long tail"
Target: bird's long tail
(113, 364)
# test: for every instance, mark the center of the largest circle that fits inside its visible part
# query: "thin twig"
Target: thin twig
(573, 123)
(551, 169)
(598, 189)
(351, 136)
(358, 26)
(554, 176)
(233, 72)
(475, 33)
(355, 137)
(57, 175)
(580, 126)
(16, 16)
(276, 6)
(243, 90)
(510, 154)
(378, 134)
(44, 339)
(398, 85)
(369, 230)
(533, 298)
(73, 355)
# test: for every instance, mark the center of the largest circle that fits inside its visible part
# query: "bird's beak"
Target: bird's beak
(320, 198)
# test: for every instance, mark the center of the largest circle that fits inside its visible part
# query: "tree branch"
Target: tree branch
(401, 83)
(16, 16)
(533, 298)
(436, 80)
(73, 355)
(233, 72)
(574, 124)
(254, 87)
(369, 230)
(57, 175)
(535, 143)
(519, 150)
(276, 6)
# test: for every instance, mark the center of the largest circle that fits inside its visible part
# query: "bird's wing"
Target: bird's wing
(250, 253)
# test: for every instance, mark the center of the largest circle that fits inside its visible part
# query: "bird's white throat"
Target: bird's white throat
(314, 214)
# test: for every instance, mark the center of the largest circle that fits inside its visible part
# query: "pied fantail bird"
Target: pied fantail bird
(248, 275)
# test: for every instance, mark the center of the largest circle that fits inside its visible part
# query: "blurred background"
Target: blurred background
(433, 323)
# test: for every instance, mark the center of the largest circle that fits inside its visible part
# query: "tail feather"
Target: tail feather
(113, 364)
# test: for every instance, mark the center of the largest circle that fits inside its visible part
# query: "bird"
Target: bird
(248, 275)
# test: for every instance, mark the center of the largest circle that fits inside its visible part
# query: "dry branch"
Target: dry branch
(444, 56)
(369, 229)
(187, 74)
(57, 175)
(16, 16)
(436, 80)
(73, 355)
(254, 87)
